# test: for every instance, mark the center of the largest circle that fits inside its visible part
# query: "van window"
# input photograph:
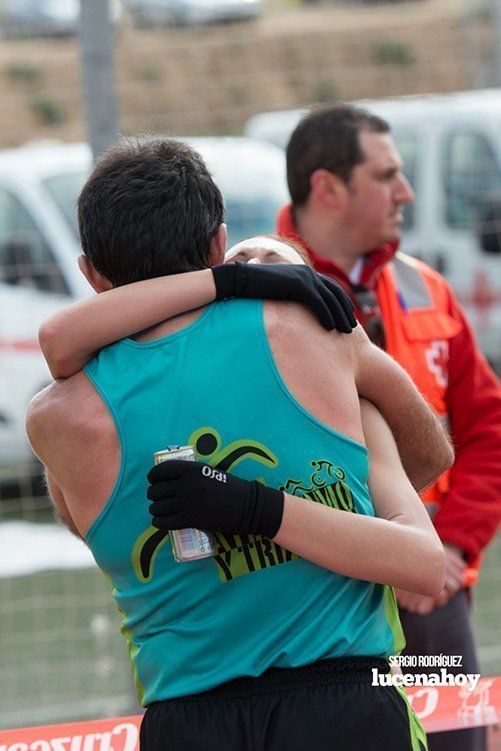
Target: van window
(407, 146)
(246, 218)
(472, 178)
(65, 189)
(25, 258)
(253, 193)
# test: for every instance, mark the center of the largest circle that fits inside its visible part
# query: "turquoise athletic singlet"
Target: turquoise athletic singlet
(191, 626)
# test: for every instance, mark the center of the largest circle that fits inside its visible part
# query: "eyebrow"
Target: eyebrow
(390, 171)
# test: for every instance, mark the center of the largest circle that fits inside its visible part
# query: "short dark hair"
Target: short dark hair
(149, 208)
(327, 138)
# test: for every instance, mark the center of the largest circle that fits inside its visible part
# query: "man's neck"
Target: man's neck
(326, 240)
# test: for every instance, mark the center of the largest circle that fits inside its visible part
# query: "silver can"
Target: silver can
(187, 544)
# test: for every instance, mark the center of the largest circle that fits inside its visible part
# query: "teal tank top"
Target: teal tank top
(191, 626)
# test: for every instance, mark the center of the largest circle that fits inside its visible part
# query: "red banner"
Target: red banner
(452, 708)
(121, 734)
(438, 707)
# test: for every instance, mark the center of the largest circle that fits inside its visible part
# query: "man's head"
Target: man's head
(342, 162)
(150, 208)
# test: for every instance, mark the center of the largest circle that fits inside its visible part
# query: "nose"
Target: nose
(253, 260)
(403, 191)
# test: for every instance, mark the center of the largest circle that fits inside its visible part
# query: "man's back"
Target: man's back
(215, 384)
(84, 446)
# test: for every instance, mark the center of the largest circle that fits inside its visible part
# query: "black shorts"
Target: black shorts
(330, 705)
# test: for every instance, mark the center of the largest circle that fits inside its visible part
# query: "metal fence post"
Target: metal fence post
(98, 78)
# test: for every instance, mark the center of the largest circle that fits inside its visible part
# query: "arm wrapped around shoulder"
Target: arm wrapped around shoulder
(326, 298)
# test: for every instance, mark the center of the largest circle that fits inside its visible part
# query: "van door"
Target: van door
(470, 182)
(31, 288)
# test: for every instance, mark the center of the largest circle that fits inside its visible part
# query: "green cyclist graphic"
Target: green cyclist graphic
(236, 554)
(326, 485)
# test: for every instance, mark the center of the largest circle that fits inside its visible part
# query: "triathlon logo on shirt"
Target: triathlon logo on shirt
(325, 485)
(237, 555)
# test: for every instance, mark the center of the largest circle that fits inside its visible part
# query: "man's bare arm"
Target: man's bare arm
(401, 545)
(39, 427)
(60, 508)
(398, 552)
(70, 337)
(70, 432)
(423, 444)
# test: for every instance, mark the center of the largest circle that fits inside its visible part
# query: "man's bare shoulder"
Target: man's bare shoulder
(71, 430)
(291, 319)
(316, 365)
(294, 326)
(64, 407)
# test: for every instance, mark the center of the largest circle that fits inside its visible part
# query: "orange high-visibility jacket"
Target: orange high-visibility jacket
(427, 333)
(414, 306)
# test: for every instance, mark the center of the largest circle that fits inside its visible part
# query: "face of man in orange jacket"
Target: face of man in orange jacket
(375, 195)
(348, 192)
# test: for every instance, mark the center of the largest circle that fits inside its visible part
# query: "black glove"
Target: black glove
(300, 283)
(192, 494)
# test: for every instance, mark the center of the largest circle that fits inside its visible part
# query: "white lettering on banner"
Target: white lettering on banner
(60, 744)
(431, 702)
(97, 742)
(125, 737)
(477, 707)
(131, 736)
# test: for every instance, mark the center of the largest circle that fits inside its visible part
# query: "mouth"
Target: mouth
(397, 216)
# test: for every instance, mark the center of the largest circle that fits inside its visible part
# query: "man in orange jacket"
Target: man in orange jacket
(348, 192)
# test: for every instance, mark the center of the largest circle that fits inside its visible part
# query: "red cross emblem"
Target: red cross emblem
(437, 359)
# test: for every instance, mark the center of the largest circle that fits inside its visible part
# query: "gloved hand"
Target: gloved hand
(192, 494)
(326, 298)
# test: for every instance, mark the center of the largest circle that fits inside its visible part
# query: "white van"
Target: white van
(451, 147)
(39, 246)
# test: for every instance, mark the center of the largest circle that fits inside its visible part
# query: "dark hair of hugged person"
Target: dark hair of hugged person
(168, 230)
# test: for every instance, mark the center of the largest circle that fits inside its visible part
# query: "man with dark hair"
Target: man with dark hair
(168, 231)
(254, 647)
(310, 147)
(348, 193)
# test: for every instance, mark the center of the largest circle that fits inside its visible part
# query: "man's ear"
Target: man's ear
(328, 189)
(97, 281)
(218, 246)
